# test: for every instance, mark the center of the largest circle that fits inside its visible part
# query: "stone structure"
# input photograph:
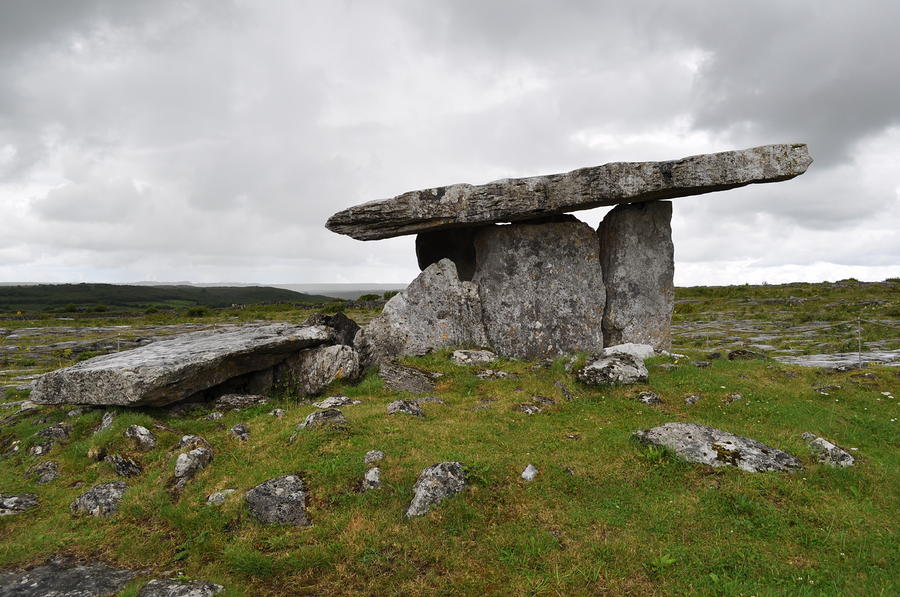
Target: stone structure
(546, 284)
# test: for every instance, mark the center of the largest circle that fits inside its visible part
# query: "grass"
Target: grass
(605, 515)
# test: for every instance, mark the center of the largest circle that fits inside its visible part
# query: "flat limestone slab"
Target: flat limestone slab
(514, 199)
(170, 370)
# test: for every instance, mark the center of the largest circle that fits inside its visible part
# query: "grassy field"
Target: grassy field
(605, 516)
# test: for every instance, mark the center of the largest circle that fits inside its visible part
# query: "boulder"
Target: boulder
(63, 578)
(621, 369)
(124, 466)
(17, 503)
(401, 378)
(187, 465)
(372, 480)
(159, 587)
(435, 484)
(437, 310)
(828, 453)
(641, 352)
(310, 371)
(100, 500)
(541, 288)
(406, 407)
(141, 437)
(281, 500)
(170, 370)
(328, 418)
(714, 447)
(637, 256)
(516, 199)
(472, 357)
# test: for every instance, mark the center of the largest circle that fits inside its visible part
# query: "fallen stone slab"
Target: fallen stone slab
(828, 453)
(17, 503)
(173, 369)
(160, 587)
(281, 500)
(510, 200)
(64, 578)
(100, 500)
(619, 369)
(714, 447)
(435, 484)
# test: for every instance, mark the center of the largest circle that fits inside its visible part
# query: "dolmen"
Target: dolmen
(504, 265)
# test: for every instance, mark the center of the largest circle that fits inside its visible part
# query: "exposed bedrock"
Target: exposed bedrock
(541, 288)
(520, 199)
(637, 258)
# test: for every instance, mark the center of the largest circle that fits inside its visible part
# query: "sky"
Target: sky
(209, 141)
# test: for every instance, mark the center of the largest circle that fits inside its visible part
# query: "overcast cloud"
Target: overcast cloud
(210, 140)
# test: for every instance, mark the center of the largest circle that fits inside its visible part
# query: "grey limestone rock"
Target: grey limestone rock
(435, 484)
(637, 257)
(281, 500)
(106, 422)
(692, 399)
(335, 401)
(310, 371)
(641, 352)
(494, 374)
(344, 328)
(124, 466)
(406, 407)
(44, 472)
(331, 418)
(241, 432)
(62, 578)
(100, 500)
(187, 465)
(472, 357)
(621, 369)
(277, 413)
(541, 288)
(528, 198)
(373, 457)
(213, 416)
(528, 409)
(407, 379)
(530, 473)
(828, 453)
(372, 480)
(17, 503)
(218, 498)
(714, 447)
(238, 401)
(142, 438)
(190, 442)
(649, 398)
(170, 370)
(437, 310)
(161, 587)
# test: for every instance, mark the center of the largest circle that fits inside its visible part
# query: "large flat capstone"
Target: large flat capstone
(171, 370)
(516, 199)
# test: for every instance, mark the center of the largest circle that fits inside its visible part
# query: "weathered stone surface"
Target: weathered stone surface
(238, 401)
(373, 456)
(241, 432)
(828, 453)
(61, 578)
(714, 447)
(641, 352)
(170, 370)
(648, 398)
(100, 500)
(187, 465)
(620, 369)
(437, 310)
(541, 288)
(44, 472)
(372, 480)
(106, 422)
(528, 198)
(17, 503)
(637, 257)
(335, 401)
(328, 418)
(281, 500)
(310, 371)
(141, 437)
(530, 473)
(124, 466)
(435, 484)
(742, 354)
(191, 442)
(47, 437)
(218, 498)
(406, 379)
(406, 407)
(472, 357)
(159, 587)
(457, 245)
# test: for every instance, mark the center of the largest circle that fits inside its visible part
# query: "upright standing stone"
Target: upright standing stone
(541, 288)
(637, 256)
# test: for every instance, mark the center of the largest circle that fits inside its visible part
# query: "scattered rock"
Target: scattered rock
(64, 578)
(106, 422)
(706, 445)
(543, 400)
(492, 374)
(742, 354)
(241, 432)
(187, 465)
(692, 399)
(528, 409)
(335, 401)
(472, 357)
(619, 369)
(701, 364)
(330, 418)
(100, 500)
(17, 503)
(733, 397)
(311, 371)
(372, 480)
(218, 498)
(406, 379)
(649, 398)
(428, 400)
(75, 412)
(238, 401)
(530, 473)
(405, 406)
(44, 472)
(828, 453)
(277, 413)
(190, 442)
(50, 436)
(213, 416)
(373, 457)
(435, 484)
(179, 588)
(641, 352)
(124, 466)
(281, 500)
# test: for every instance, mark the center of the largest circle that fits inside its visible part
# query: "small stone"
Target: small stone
(701, 364)
(44, 472)
(239, 401)
(281, 500)
(277, 413)
(493, 374)
(373, 457)
(241, 432)
(179, 588)
(828, 453)
(213, 416)
(218, 498)
(742, 354)
(124, 466)
(407, 379)
(435, 484)
(714, 356)
(408, 407)
(141, 437)
(193, 441)
(528, 409)
(530, 473)
(649, 398)
(543, 400)
(692, 399)
(17, 503)
(733, 397)
(330, 418)
(75, 412)
(188, 464)
(472, 357)
(106, 422)
(619, 369)
(335, 401)
(100, 500)
(372, 480)
(565, 391)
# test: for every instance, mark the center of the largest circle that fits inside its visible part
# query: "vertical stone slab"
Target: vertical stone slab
(637, 256)
(541, 288)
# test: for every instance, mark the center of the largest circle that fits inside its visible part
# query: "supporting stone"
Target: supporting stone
(541, 288)
(637, 257)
